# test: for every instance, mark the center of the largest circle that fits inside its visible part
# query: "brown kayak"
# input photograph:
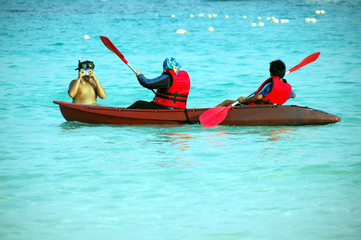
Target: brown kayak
(254, 115)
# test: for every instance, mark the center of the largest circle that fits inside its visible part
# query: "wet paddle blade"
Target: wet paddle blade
(214, 116)
(112, 48)
(311, 58)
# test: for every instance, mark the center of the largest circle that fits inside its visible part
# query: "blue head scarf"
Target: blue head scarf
(171, 64)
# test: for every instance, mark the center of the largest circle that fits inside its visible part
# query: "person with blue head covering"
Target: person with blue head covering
(172, 87)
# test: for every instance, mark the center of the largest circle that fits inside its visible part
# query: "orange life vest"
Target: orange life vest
(175, 96)
(279, 93)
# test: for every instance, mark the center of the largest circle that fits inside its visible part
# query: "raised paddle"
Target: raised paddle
(216, 115)
(112, 48)
(313, 57)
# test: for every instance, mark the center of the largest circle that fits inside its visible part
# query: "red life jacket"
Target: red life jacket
(175, 96)
(279, 93)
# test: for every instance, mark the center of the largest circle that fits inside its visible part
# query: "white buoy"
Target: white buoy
(254, 24)
(86, 37)
(261, 24)
(173, 15)
(214, 15)
(259, 18)
(209, 15)
(191, 15)
(275, 20)
(181, 31)
(226, 16)
(320, 11)
(211, 29)
(244, 17)
(201, 15)
(311, 20)
(284, 21)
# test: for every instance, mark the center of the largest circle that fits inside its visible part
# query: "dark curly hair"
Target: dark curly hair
(277, 68)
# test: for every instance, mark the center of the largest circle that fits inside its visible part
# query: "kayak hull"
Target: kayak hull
(254, 115)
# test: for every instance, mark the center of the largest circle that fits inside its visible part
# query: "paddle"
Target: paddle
(112, 48)
(216, 115)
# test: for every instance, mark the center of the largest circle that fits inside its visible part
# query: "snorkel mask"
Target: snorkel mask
(86, 65)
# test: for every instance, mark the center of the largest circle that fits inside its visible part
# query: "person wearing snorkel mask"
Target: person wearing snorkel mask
(86, 88)
(172, 88)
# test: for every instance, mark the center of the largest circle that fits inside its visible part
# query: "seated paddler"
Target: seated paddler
(172, 87)
(275, 90)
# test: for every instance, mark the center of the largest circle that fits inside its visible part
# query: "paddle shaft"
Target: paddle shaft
(131, 68)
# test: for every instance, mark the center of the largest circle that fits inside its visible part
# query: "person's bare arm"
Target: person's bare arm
(99, 88)
(74, 85)
(250, 99)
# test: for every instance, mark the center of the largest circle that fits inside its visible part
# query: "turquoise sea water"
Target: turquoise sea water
(69, 180)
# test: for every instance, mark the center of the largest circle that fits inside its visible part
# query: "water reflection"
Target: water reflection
(179, 140)
(276, 134)
(258, 134)
(182, 146)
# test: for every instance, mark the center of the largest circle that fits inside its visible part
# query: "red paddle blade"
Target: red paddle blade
(313, 57)
(214, 116)
(112, 48)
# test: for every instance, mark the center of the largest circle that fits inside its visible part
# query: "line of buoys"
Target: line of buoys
(260, 24)
(310, 20)
(320, 12)
(253, 24)
(276, 20)
(183, 31)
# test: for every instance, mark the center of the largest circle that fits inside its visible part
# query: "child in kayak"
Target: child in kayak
(86, 88)
(172, 87)
(275, 90)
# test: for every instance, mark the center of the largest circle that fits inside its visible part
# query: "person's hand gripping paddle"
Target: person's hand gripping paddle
(216, 115)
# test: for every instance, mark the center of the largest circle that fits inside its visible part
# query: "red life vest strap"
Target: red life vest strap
(172, 96)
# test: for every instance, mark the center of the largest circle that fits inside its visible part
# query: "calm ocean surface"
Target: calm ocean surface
(69, 180)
